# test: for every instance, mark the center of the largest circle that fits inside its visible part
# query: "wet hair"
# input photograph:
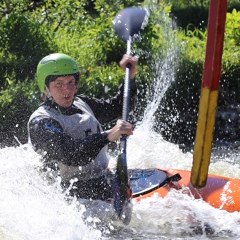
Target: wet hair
(52, 78)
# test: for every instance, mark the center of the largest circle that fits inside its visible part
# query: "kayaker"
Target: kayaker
(67, 128)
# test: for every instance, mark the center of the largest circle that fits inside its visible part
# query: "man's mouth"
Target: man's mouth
(66, 96)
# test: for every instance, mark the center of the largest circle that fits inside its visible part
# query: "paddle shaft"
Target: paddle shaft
(209, 93)
(126, 95)
(122, 165)
(122, 191)
(127, 85)
(127, 23)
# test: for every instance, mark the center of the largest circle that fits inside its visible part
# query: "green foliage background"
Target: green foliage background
(30, 30)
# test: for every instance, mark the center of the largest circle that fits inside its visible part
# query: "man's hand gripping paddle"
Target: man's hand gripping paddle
(127, 24)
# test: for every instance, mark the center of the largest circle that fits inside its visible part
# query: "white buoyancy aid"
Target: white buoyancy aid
(76, 126)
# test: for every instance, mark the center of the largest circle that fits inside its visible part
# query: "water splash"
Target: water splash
(164, 79)
(164, 63)
(32, 209)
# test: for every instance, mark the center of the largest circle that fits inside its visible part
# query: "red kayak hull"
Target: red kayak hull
(220, 192)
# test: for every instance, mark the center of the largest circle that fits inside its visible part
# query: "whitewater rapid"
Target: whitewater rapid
(30, 208)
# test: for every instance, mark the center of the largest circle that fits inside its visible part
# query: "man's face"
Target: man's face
(63, 90)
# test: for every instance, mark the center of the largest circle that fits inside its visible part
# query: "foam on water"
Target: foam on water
(148, 149)
(32, 209)
(178, 215)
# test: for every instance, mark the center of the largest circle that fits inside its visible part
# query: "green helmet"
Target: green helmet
(56, 64)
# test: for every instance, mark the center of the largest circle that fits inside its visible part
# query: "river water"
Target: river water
(32, 209)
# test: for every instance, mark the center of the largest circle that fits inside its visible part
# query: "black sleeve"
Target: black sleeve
(107, 110)
(47, 135)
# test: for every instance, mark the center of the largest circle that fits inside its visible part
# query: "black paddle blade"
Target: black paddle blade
(130, 21)
(122, 192)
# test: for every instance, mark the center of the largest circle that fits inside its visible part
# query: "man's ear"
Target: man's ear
(47, 92)
(76, 89)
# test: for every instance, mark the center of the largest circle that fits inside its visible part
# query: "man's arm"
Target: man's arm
(47, 135)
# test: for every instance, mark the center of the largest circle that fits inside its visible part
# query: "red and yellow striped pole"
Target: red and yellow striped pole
(209, 93)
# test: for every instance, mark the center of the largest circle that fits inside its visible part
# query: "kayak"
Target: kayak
(220, 192)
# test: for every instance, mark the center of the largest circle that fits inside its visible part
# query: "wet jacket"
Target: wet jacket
(72, 140)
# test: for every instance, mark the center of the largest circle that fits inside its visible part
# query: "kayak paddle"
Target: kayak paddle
(209, 93)
(127, 23)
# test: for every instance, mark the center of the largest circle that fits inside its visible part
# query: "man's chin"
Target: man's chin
(67, 103)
